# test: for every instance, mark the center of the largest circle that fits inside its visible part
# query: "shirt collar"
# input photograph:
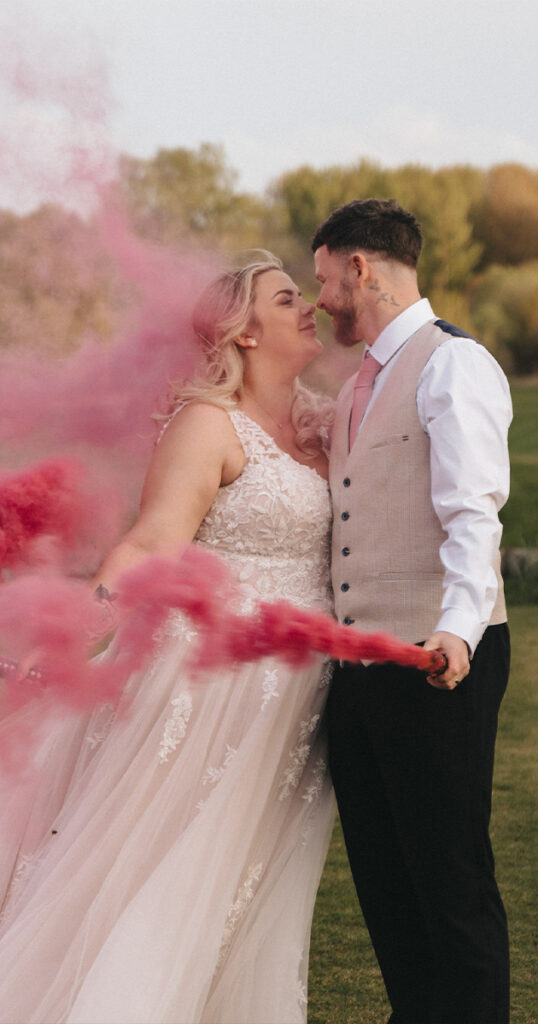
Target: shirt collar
(394, 335)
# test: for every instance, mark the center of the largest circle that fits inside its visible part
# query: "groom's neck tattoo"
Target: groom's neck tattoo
(383, 296)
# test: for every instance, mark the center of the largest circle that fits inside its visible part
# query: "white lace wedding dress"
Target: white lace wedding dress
(183, 840)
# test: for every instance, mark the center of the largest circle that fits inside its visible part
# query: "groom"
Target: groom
(419, 471)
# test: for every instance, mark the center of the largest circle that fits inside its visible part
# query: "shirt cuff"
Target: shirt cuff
(461, 624)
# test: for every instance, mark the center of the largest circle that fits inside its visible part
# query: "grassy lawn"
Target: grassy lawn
(345, 984)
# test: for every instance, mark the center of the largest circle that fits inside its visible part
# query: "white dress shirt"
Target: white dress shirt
(464, 405)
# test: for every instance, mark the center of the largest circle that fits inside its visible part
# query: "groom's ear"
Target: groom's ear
(359, 265)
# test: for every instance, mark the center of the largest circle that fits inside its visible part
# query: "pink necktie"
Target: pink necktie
(362, 391)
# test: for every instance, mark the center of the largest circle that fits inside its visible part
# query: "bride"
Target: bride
(168, 870)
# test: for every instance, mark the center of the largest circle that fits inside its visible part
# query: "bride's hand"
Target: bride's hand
(106, 622)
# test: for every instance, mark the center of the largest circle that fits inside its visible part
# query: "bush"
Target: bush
(504, 308)
(520, 577)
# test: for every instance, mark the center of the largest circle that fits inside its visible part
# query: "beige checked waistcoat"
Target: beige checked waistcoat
(386, 568)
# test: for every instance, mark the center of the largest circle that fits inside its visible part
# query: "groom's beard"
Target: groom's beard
(346, 330)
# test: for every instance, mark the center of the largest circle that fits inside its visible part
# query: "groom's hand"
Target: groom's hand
(457, 656)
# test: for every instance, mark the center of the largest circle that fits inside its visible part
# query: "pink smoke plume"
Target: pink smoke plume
(54, 143)
(49, 514)
(96, 403)
(59, 615)
(200, 586)
(104, 395)
(43, 502)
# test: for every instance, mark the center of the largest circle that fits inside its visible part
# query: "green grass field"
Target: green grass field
(345, 984)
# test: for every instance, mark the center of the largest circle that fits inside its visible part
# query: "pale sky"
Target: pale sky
(280, 83)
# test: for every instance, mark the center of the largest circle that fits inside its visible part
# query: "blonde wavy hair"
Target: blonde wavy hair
(223, 313)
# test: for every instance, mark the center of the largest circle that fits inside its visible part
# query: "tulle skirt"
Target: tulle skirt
(160, 861)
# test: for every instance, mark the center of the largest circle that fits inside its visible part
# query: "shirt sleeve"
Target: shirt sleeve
(464, 405)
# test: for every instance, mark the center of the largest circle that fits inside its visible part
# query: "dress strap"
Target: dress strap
(168, 420)
(255, 441)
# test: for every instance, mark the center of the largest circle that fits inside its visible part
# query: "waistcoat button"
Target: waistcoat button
(344, 587)
(345, 551)
(345, 516)
(348, 621)
(346, 481)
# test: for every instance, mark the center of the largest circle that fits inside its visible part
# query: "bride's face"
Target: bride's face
(283, 322)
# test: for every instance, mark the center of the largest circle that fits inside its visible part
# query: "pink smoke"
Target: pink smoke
(59, 614)
(91, 409)
(95, 404)
(54, 143)
(200, 586)
(48, 514)
(105, 394)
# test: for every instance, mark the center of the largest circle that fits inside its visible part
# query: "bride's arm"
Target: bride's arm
(198, 451)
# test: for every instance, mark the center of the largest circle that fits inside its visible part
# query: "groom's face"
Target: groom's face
(338, 296)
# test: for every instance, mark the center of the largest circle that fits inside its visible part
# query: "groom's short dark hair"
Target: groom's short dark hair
(377, 225)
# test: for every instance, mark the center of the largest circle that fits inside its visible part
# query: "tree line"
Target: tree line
(479, 265)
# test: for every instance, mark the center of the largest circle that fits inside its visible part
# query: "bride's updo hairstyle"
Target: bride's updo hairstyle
(222, 314)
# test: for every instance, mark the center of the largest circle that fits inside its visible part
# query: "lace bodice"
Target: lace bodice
(272, 523)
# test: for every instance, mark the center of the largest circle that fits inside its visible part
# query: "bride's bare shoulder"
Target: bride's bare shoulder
(198, 420)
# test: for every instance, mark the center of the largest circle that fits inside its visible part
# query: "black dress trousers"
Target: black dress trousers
(412, 768)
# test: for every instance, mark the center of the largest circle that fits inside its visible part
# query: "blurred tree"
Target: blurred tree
(309, 195)
(55, 281)
(504, 306)
(505, 217)
(183, 194)
(441, 201)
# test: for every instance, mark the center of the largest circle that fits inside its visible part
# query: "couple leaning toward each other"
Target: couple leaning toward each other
(166, 864)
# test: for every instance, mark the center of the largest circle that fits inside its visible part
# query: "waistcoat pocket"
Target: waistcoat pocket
(391, 440)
